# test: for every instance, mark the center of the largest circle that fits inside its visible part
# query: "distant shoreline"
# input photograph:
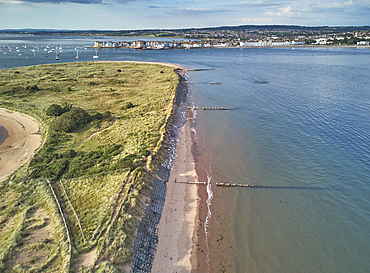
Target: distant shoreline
(237, 47)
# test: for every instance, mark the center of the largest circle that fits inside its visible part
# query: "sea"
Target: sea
(298, 129)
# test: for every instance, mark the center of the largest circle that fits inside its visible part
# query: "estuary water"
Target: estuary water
(3, 134)
(301, 125)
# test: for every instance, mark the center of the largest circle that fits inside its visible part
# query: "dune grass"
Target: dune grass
(117, 122)
(90, 198)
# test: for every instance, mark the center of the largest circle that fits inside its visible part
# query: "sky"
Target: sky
(172, 14)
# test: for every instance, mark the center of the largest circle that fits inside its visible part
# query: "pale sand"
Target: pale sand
(159, 63)
(24, 140)
(177, 223)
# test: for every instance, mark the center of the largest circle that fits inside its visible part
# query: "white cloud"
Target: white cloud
(200, 9)
(282, 12)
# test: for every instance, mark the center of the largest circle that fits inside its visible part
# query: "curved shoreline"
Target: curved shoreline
(23, 141)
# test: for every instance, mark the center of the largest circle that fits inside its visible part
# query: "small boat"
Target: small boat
(96, 54)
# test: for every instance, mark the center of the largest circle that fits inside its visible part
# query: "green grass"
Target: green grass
(117, 244)
(90, 198)
(124, 108)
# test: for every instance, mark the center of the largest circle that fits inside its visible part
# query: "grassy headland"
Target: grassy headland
(103, 126)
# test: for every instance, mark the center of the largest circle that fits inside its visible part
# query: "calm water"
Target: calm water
(302, 124)
(3, 134)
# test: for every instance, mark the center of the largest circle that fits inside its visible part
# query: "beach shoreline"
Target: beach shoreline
(23, 141)
(175, 229)
(177, 224)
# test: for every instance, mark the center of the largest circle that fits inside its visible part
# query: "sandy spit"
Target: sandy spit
(23, 142)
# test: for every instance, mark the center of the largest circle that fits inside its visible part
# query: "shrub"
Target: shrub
(97, 116)
(71, 120)
(128, 106)
(145, 152)
(32, 88)
(54, 110)
(69, 153)
(57, 110)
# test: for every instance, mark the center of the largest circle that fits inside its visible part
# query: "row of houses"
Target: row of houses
(192, 44)
(330, 40)
(271, 43)
(160, 44)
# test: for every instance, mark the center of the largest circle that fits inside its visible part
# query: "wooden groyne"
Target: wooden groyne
(241, 185)
(218, 108)
(191, 182)
(200, 69)
(226, 184)
(192, 83)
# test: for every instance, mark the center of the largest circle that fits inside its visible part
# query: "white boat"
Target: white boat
(96, 54)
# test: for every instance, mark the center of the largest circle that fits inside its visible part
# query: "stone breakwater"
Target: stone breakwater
(147, 239)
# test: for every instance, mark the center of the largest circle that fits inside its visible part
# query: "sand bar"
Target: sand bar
(175, 229)
(24, 140)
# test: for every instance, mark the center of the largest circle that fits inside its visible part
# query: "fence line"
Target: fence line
(93, 175)
(78, 220)
(65, 225)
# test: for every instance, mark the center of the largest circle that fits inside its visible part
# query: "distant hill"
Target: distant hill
(179, 32)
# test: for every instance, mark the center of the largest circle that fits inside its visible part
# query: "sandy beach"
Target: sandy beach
(176, 226)
(24, 140)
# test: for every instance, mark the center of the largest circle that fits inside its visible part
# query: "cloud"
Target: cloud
(257, 4)
(70, 1)
(283, 12)
(158, 7)
(199, 11)
(207, 10)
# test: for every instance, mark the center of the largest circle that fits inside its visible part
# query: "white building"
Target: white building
(365, 43)
(321, 41)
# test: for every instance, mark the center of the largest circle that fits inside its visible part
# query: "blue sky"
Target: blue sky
(150, 14)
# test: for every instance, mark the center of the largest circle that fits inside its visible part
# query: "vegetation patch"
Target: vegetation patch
(102, 123)
(90, 198)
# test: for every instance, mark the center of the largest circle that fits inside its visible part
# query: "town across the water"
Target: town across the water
(160, 45)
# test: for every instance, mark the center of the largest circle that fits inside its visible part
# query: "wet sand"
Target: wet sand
(22, 143)
(175, 229)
